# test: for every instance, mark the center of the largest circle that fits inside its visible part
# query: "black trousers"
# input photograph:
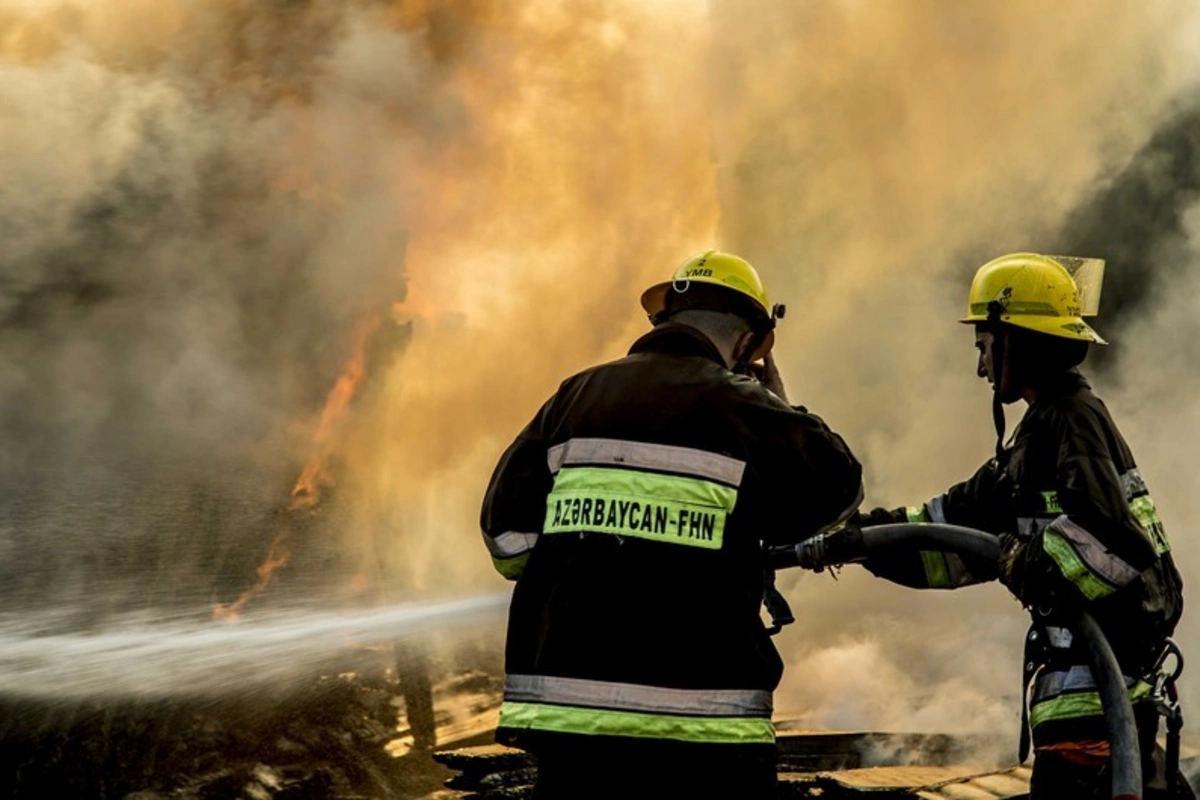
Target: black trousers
(590, 769)
(1056, 778)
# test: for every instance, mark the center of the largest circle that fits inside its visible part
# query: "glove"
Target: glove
(829, 549)
(1011, 572)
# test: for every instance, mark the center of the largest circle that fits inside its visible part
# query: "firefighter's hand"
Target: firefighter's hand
(1012, 551)
(768, 375)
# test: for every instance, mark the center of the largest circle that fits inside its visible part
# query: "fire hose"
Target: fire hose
(879, 539)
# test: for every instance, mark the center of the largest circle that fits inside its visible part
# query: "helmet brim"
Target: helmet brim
(1062, 327)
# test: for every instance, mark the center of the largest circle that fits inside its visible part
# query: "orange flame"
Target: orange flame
(307, 491)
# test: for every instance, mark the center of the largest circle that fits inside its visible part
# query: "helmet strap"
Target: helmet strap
(999, 370)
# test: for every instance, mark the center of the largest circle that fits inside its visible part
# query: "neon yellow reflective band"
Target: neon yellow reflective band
(644, 505)
(916, 514)
(1079, 704)
(1072, 566)
(604, 722)
(1050, 499)
(511, 568)
(1030, 308)
(937, 574)
(1147, 516)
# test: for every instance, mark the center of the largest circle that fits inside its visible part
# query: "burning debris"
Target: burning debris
(306, 493)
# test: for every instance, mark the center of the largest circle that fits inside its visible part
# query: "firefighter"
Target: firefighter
(632, 512)
(1077, 525)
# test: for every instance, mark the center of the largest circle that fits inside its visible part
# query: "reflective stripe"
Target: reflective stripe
(642, 455)
(937, 575)
(665, 508)
(603, 722)
(1027, 308)
(1144, 510)
(1075, 679)
(1147, 516)
(937, 509)
(635, 697)
(916, 514)
(1070, 694)
(511, 568)
(945, 570)
(1084, 561)
(1060, 638)
(1133, 484)
(510, 544)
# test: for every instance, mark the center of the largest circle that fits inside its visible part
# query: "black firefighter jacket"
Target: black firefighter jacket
(631, 512)
(1079, 531)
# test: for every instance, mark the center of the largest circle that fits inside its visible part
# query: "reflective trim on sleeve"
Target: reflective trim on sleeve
(644, 505)
(511, 568)
(945, 570)
(1084, 561)
(510, 543)
(643, 455)
(937, 509)
(937, 574)
(636, 697)
(1146, 513)
(1133, 484)
(604, 722)
(1144, 510)
(916, 514)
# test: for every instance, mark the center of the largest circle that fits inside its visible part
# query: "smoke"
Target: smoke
(201, 201)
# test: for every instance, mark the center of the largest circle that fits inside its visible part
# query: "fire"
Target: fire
(307, 491)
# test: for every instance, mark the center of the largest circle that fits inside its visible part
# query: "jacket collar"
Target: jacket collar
(1063, 384)
(672, 338)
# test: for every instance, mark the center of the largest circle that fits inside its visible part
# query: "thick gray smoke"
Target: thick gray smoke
(179, 279)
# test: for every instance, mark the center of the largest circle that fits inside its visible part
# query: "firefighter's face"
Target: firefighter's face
(983, 346)
(986, 367)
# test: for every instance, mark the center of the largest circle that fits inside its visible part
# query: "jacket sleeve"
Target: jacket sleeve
(514, 507)
(809, 479)
(979, 502)
(1096, 545)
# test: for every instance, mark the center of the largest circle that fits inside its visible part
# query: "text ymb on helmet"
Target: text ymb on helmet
(1044, 294)
(718, 281)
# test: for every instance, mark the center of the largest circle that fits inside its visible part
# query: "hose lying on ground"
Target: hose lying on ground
(1118, 711)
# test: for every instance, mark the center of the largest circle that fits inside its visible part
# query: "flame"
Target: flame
(306, 492)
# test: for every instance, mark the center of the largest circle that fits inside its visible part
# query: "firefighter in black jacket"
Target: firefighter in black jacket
(1077, 525)
(632, 512)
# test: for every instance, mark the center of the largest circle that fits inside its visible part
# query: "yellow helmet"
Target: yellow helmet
(1031, 291)
(716, 268)
(723, 270)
